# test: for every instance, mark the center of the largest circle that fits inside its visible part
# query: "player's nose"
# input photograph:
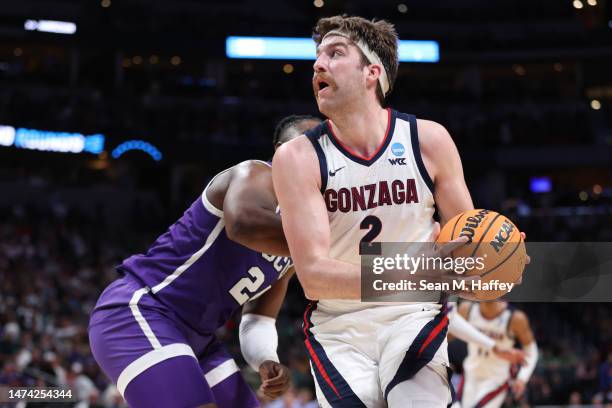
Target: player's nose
(319, 64)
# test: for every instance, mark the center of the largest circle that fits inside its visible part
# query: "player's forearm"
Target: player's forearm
(260, 230)
(327, 278)
(460, 328)
(531, 359)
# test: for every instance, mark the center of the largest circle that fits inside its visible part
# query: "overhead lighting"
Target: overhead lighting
(287, 68)
(592, 2)
(595, 104)
(597, 189)
(295, 48)
(557, 66)
(18, 52)
(105, 3)
(318, 3)
(176, 60)
(577, 4)
(583, 195)
(153, 59)
(50, 26)
(402, 8)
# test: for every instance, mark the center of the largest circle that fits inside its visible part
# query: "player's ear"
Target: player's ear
(374, 71)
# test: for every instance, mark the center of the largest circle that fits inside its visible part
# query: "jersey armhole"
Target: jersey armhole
(416, 150)
(313, 135)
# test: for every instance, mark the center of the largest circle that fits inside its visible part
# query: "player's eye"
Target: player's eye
(336, 53)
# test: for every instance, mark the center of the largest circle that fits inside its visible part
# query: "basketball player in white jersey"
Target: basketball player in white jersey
(366, 174)
(487, 377)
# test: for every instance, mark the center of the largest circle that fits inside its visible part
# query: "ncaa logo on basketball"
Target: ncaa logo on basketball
(398, 149)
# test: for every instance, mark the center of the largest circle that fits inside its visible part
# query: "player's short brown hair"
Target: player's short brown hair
(379, 35)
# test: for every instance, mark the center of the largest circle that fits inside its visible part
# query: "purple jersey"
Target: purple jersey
(195, 270)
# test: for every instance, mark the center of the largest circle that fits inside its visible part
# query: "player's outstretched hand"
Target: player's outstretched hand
(511, 354)
(275, 379)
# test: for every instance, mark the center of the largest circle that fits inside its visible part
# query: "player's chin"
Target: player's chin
(325, 105)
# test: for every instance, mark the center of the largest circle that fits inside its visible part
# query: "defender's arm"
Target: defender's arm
(259, 338)
(249, 209)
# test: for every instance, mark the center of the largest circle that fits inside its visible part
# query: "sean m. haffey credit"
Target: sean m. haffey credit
(432, 266)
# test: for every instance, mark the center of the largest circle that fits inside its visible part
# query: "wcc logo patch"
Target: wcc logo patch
(398, 150)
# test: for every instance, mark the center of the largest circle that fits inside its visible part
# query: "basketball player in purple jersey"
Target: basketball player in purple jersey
(152, 330)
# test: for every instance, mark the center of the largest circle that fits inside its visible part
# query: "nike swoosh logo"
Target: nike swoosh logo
(333, 173)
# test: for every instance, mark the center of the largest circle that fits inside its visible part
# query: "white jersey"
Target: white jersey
(387, 197)
(481, 363)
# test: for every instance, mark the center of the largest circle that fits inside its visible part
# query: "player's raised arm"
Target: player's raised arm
(249, 209)
(297, 184)
(444, 165)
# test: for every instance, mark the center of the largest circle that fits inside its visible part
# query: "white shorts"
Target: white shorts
(358, 359)
(482, 392)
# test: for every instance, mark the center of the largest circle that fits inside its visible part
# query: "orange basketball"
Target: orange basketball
(496, 242)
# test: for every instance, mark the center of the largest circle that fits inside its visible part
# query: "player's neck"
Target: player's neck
(362, 130)
(491, 310)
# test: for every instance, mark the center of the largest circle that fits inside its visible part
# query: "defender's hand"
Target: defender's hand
(275, 379)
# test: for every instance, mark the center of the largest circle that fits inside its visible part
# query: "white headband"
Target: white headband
(370, 55)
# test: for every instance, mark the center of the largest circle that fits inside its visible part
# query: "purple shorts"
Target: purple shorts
(155, 360)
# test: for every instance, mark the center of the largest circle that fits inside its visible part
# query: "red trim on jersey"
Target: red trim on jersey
(313, 354)
(320, 367)
(382, 143)
(460, 387)
(487, 398)
(433, 334)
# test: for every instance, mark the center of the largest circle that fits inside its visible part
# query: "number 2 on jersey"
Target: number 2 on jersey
(237, 291)
(366, 246)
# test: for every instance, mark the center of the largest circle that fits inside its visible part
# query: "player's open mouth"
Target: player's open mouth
(322, 85)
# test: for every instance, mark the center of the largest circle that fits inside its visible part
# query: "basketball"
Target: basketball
(493, 239)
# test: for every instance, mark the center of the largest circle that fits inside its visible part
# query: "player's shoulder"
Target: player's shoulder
(297, 150)
(432, 133)
(519, 317)
(434, 140)
(250, 168)
(299, 159)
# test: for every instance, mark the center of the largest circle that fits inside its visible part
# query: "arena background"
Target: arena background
(523, 86)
